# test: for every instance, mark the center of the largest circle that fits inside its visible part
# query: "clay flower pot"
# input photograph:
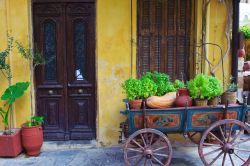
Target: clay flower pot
(230, 97)
(32, 139)
(135, 104)
(214, 101)
(183, 98)
(10, 145)
(200, 102)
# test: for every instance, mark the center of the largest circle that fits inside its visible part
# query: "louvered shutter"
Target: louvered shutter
(164, 37)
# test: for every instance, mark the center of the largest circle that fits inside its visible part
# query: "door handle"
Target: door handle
(50, 92)
(80, 91)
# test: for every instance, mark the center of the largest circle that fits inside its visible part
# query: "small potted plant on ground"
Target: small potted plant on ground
(32, 135)
(230, 95)
(215, 90)
(133, 89)
(10, 139)
(199, 89)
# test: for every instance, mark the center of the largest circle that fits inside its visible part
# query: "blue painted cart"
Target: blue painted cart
(218, 130)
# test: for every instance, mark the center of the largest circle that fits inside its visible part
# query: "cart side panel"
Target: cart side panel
(162, 120)
(199, 119)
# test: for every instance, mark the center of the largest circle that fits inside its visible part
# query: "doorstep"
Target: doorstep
(66, 145)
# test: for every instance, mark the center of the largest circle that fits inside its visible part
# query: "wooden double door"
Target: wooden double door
(65, 86)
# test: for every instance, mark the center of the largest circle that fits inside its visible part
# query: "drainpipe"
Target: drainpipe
(235, 41)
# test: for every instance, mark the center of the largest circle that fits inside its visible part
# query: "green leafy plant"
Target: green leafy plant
(34, 121)
(178, 84)
(133, 88)
(232, 87)
(215, 87)
(199, 87)
(149, 87)
(162, 81)
(246, 31)
(10, 95)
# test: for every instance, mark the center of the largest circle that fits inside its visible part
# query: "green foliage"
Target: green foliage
(162, 82)
(178, 84)
(4, 66)
(34, 121)
(215, 87)
(232, 87)
(30, 54)
(133, 88)
(149, 87)
(246, 31)
(10, 95)
(199, 87)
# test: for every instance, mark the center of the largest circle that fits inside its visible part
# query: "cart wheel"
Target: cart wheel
(231, 146)
(147, 147)
(195, 137)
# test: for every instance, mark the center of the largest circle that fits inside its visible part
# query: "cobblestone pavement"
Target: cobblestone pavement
(90, 155)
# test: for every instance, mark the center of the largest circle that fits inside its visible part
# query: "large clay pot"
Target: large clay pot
(10, 145)
(135, 104)
(230, 97)
(183, 98)
(32, 139)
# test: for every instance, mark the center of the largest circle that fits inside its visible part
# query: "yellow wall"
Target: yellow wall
(114, 61)
(113, 64)
(14, 20)
(217, 19)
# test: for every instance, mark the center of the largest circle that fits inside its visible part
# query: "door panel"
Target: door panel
(65, 32)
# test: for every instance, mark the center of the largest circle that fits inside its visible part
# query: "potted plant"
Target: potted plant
(133, 89)
(32, 135)
(199, 89)
(215, 90)
(230, 95)
(10, 139)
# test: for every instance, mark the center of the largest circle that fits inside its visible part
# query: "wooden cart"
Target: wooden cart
(218, 131)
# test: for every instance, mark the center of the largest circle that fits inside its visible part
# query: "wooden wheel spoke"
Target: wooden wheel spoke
(164, 147)
(216, 158)
(230, 133)
(133, 157)
(158, 161)
(151, 163)
(237, 135)
(162, 155)
(137, 144)
(135, 150)
(231, 159)
(139, 160)
(224, 158)
(143, 140)
(209, 145)
(216, 150)
(216, 138)
(248, 139)
(222, 134)
(239, 157)
(151, 139)
(243, 150)
(145, 161)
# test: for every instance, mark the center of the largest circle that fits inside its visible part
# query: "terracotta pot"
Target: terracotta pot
(135, 104)
(214, 101)
(183, 98)
(32, 139)
(10, 145)
(228, 96)
(200, 102)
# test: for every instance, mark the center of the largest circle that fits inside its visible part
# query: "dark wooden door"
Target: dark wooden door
(65, 85)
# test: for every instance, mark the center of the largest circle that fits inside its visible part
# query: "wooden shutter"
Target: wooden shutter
(164, 37)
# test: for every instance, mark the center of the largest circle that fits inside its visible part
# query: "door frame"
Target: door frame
(94, 50)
